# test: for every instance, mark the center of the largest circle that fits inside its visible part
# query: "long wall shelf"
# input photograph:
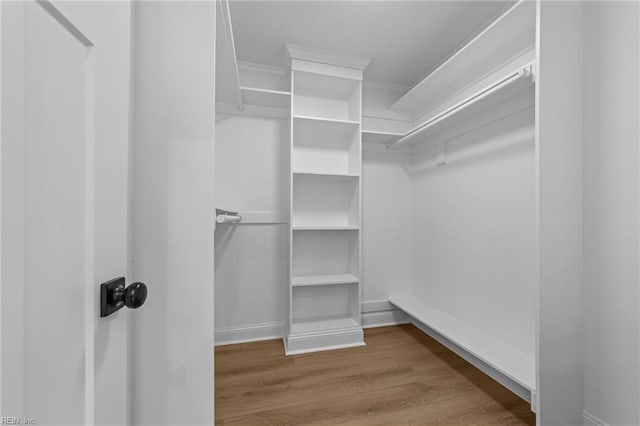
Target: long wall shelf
(508, 37)
(507, 85)
(511, 362)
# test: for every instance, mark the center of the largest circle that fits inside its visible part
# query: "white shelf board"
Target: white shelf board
(322, 324)
(311, 280)
(266, 97)
(325, 173)
(379, 137)
(472, 110)
(325, 228)
(511, 362)
(319, 122)
(509, 36)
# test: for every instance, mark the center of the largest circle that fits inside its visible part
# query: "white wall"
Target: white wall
(611, 212)
(473, 234)
(173, 211)
(386, 226)
(252, 170)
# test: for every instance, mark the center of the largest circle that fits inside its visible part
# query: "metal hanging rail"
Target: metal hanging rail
(526, 71)
(227, 216)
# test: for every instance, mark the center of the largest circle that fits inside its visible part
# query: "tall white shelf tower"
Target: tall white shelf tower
(323, 299)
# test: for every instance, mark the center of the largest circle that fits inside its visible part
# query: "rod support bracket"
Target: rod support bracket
(441, 157)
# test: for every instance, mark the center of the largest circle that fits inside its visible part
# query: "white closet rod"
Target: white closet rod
(228, 218)
(516, 75)
(226, 19)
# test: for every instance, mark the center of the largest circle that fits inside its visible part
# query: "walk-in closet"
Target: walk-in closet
(320, 212)
(401, 164)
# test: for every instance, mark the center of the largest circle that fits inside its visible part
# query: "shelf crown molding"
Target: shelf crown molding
(312, 54)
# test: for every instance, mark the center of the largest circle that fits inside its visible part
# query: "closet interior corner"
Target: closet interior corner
(366, 202)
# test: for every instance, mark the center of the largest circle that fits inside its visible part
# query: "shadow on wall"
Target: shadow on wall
(503, 137)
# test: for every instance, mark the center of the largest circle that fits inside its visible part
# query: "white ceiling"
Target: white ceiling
(404, 39)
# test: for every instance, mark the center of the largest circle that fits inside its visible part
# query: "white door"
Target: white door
(64, 215)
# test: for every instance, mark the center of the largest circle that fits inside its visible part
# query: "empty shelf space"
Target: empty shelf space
(321, 200)
(266, 97)
(511, 362)
(311, 280)
(326, 145)
(325, 252)
(324, 86)
(322, 324)
(325, 228)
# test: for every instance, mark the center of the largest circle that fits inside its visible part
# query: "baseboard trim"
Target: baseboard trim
(384, 318)
(295, 344)
(591, 420)
(249, 333)
(375, 313)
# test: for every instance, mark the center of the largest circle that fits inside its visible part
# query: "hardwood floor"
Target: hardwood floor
(402, 376)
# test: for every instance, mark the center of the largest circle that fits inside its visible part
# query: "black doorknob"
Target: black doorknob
(114, 296)
(135, 295)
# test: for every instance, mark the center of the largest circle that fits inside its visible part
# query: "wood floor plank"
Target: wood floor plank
(402, 376)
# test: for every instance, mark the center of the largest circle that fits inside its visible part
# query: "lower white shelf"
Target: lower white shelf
(511, 362)
(323, 324)
(308, 280)
(325, 227)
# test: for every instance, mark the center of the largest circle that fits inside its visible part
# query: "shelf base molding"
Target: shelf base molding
(300, 343)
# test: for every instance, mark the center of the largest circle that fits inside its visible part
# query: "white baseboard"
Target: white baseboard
(302, 343)
(380, 313)
(376, 313)
(591, 420)
(383, 319)
(249, 333)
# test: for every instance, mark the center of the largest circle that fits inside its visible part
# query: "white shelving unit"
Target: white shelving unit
(325, 200)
